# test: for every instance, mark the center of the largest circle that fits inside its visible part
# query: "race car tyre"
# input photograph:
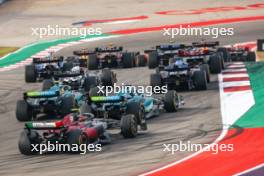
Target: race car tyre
(205, 68)
(89, 82)
(155, 80)
(153, 60)
(128, 60)
(215, 64)
(226, 54)
(107, 77)
(170, 101)
(76, 137)
(25, 142)
(23, 111)
(140, 60)
(30, 73)
(67, 105)
(137, 110)
(47, 84)
(199, 79)
(67, 66)
(129, 127)
(85, 108)
(92, 62)
(251, 57)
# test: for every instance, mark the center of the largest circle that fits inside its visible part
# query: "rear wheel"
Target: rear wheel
(199, 79)
(107, 77)
(251, 57)
(92, 62)
(171, 101)
(129, 127)
(128, 60)
(205, 68)
(23, 111)
(25, 142)
(75, 138)
(140, 61)
(226, 54)
(153, 60)
(30, 73)
(215, 64)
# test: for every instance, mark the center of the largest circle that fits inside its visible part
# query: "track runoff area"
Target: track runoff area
(239, 81)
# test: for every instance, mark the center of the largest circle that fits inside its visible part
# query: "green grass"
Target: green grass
(6, 50)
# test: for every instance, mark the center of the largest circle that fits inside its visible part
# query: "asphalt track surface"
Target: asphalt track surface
(199, 121)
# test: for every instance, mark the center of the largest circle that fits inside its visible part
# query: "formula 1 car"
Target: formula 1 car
(43, 68)
(58, 100)
(182, 74)
(111, 57)
(73, 130)
(241, 53)
(161, 54)
(130, 110)
(77, 79)
(206, 50)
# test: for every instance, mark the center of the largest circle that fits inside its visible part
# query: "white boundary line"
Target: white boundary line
(249, 170)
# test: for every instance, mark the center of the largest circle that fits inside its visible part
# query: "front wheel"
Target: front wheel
(129, 127)
(171, 103)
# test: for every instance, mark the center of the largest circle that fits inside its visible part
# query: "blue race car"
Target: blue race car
(182, 74)
(44, 68)
(162, 54)
(58, 100)
(130, 109)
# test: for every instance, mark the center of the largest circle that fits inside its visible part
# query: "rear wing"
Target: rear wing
(42, 94)
(106, 50)
(66, 74)
(83, 52)
(107, 99)
(205, 44)
(170, 47)
(46, 60)
(44, 125)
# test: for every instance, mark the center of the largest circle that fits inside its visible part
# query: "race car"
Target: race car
(77, 79)
(111, 57)
(182, 75)
(59, 100)
(161, 54)
(73, 130)
(128, 110)
(241, 53)
(43, 68)
(207, 50)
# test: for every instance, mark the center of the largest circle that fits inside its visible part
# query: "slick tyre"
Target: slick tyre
(92, 62)
(25, 141)
(199, 80)
(23, 111)
(128, 60)
(171, 101)
(153, 60)
(30, 74)
(215, 64)
(129, 127)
